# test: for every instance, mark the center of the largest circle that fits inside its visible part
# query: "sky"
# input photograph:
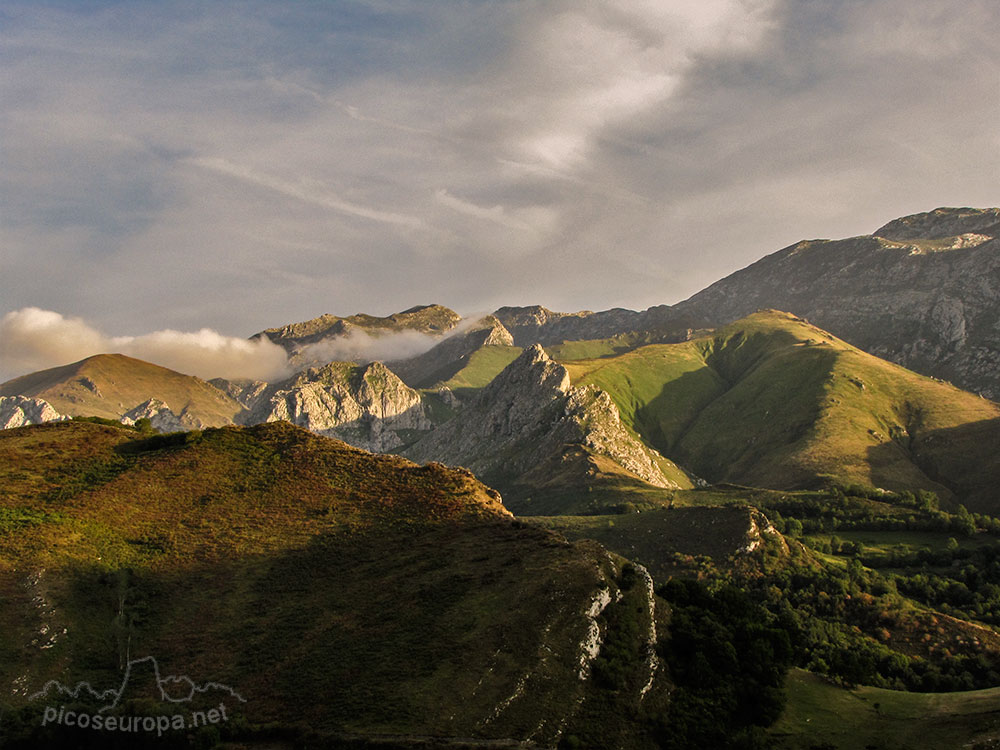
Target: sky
(180, 175)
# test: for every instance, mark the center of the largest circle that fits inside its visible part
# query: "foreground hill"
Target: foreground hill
(773, 401)
(923, 291)
(319, 587)
(115, 386)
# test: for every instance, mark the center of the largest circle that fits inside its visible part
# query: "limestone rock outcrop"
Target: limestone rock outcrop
(18, 411)
(529, 414)
(367, 406)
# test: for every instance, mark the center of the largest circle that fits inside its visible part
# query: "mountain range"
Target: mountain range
(648, 518)
(541, 403)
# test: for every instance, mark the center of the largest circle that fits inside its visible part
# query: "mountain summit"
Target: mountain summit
(922, 291)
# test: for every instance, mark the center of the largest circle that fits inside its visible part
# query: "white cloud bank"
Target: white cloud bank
(34, 339)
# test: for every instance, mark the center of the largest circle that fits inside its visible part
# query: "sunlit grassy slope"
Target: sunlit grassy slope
(773, 401)
(482, 366)
(108, 385)
(336, 589)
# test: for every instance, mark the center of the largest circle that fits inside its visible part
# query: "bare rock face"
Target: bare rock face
(597, 420)
(18, 411)
(527, 415)
(923, 291)
(366, 406)
(159, 415)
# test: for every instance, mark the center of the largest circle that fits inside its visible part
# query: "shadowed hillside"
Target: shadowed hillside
(337, 591)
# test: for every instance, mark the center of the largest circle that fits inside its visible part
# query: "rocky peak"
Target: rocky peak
(526, 417)
(496, 333)
(160, 416)
(367, 406)
(533, 371)
(534, 315)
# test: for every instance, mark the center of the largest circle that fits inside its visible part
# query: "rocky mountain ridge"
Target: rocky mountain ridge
(428, 319)
(527, 417)
(922, 291)
(539, 325)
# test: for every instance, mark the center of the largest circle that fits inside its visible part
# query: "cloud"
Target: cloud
(581, 68)
(359, 346)
(530, 220)
(208, 354)
(166, 162)
(33, 339)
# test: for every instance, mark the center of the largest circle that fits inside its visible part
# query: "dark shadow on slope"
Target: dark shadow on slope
(578, 482)
(420, 631)
(663, 420)
(655, 538)
(754, 432)
(965, 459)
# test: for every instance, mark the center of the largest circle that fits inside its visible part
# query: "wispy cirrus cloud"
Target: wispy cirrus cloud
(307, 191)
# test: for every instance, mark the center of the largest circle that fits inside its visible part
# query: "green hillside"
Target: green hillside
(772, 401)
(341, 592)
(821, 714)
(481, 367)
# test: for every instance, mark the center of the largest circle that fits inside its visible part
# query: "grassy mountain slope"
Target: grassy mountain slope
(773, 401)
(451, 355)
(340, 591)
(481, 367)
(822, 714)
(108, 385)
